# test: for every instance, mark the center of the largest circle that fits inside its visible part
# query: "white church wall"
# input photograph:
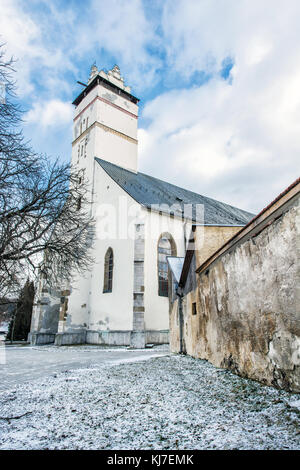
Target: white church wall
(122, 151)
(114, 310)
(90, 308)
(112, 116)
(87, 108)
(78, 304)
(117, 100)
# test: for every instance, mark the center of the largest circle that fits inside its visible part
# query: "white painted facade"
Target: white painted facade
(105, 126)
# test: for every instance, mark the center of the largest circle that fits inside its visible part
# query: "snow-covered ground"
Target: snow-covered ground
(169, 402)
(21, 363)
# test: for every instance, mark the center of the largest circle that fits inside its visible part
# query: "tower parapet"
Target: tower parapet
(112, 76)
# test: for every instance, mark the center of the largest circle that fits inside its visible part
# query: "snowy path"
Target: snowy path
(26, 363)
(167, 402)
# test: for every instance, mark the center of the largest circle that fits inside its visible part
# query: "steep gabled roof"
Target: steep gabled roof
(149, 191)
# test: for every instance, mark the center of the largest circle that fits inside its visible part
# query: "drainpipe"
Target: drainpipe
(180, 295)
(184, 236)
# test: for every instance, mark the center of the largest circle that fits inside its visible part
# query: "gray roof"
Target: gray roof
(175, 263)
(150, 191)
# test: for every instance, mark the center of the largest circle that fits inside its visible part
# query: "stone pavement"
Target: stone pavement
(20, 364)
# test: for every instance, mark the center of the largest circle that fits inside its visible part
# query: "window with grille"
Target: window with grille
(166, 247)
(108, 270)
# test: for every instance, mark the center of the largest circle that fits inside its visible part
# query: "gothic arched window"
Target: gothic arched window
(108, 270)
(166, 247)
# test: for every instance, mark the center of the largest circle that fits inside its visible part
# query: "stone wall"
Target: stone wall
(247, 305)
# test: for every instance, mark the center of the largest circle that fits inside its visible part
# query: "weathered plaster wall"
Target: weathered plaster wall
(248, 317)
(210, 238)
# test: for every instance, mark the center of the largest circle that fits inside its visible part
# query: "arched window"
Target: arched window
(108, 270)
(166, 247)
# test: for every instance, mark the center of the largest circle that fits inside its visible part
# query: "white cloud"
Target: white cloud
(48, 39)
(124, 30)
(239, 142)
(50, 114)
(38, 54)
(21, 37)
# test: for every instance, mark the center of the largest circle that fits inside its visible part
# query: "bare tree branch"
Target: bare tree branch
(40, 224)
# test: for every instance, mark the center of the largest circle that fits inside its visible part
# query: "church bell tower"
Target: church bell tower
(105, 122)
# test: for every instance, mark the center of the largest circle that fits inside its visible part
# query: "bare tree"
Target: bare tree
(44, 210)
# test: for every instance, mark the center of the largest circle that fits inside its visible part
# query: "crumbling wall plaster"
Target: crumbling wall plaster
(248, 317)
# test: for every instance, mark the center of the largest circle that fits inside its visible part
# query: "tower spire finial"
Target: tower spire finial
(94, 71)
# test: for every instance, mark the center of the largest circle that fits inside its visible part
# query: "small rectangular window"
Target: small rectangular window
(194, 308)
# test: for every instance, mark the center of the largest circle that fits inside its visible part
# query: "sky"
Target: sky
(218, 80)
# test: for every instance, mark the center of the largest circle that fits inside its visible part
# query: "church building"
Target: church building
(140, 221)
